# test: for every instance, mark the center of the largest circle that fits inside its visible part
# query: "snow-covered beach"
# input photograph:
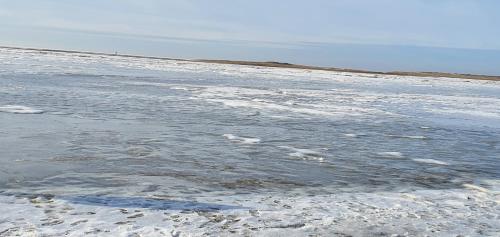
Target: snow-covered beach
(119, 146)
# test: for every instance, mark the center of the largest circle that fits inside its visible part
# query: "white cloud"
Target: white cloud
(461, 23)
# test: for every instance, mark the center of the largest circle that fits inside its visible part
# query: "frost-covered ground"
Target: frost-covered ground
(115, 146)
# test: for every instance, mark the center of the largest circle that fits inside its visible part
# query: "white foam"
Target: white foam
(408, 136)
(179, 88)
(301, 101)
(243, 140)
(476, 188)
(260, 105)
(305, 154)
(19, 109)
(394, 154)
(430, 161)
(350, 135)
(415, 137)
(421, 212)
(354, 134)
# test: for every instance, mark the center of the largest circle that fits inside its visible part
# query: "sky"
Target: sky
(385, 35)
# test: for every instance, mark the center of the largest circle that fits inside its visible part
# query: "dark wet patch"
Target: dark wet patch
(243, 183)
(261, 184)
(293, 226)
(52, 223)
(151, 188)
(73, 158)
(124, 222)
(154, 204)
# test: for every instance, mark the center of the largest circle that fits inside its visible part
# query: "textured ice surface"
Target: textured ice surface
(117, 146)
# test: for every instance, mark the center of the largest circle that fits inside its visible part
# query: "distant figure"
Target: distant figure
(116, 52)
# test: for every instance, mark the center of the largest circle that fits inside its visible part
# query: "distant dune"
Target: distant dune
(398, 73)
(286, 65)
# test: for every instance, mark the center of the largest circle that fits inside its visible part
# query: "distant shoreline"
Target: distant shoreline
(278, 65)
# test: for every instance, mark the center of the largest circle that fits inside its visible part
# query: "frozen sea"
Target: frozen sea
(94, 145)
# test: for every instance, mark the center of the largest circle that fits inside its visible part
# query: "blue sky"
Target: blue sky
(423, 35)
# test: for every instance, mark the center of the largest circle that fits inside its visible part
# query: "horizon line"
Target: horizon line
(275, 64)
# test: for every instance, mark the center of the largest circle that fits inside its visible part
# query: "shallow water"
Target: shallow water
(224, 127)
(272, 147)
